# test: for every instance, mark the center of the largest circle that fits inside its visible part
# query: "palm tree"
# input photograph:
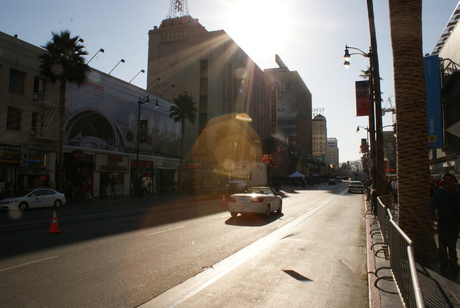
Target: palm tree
(184, 110)
(63, 62)
(411, 142)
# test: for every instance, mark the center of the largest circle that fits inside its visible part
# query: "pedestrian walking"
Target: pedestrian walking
(445, 209)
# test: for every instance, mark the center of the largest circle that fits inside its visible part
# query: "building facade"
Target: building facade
(293, 107)
(319, 133)
(333, 152)
(446, 158)
(224, 81)
(28, 117)
(111, 139)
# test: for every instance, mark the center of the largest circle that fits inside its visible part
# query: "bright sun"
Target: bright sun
(258, 24)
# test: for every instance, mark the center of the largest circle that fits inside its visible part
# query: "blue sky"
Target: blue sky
(309, 36)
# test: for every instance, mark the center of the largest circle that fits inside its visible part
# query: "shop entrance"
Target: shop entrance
(111, 185)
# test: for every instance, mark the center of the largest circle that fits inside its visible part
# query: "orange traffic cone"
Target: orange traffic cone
(54, 224)
(224, 201)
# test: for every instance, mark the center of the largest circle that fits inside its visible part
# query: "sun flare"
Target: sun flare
(258, 24)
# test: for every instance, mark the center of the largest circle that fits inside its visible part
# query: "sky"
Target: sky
(309, 36)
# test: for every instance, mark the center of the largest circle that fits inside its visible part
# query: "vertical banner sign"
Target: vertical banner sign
(433, 100)
(363, 99)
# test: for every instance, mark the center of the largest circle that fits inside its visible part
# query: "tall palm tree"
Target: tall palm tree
(184, 110)
(63, 62)
(412, 140)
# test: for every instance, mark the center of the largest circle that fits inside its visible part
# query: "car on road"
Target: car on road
(256, 199)
(356, 186)
(332, 182)
(40, 197)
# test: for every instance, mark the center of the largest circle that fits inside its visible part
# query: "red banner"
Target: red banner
(363, 99)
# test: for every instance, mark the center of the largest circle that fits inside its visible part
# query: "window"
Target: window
(36, 159)
(204, 66)
(37, 124)
(39, 89)
(13, 120)
(17, 81)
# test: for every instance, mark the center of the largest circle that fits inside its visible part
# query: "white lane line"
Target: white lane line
(158, 232)
(28, 263)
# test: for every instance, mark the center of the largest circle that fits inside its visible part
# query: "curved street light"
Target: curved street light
(100, 50)
(141, 71)
(121, 61)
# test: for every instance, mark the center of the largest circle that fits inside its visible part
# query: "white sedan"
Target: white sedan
(356, 186)
(40, 197)
(256, 199)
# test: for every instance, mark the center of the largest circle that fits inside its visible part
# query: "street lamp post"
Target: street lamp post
(121, 61)
(141, 71)
(375, 121)
(380, 156)
(100, 50)
(141, 101)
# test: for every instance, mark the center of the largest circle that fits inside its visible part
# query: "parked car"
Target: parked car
(332, 182)
(356, 186)
(40, 197)
(255, 199)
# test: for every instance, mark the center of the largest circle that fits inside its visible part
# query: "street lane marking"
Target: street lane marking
(158, 232)
(28, 263)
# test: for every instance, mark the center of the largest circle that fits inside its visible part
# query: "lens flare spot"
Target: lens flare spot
(57, 69)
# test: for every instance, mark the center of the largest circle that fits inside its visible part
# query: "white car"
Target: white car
(356, 186)
(40, 197)
(256, 199)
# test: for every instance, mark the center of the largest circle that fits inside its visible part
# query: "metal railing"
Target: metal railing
(401, 252)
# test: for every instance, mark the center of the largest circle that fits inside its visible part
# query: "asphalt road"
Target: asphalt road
(124, 254)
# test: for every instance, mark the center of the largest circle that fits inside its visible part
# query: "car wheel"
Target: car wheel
(280, 210)
(268, 211)
(57, 204)
(234, 214)
(23, 206)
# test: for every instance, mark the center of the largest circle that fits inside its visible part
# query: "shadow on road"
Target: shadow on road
(252, 220)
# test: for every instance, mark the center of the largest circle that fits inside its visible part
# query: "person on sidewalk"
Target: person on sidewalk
(445, 209)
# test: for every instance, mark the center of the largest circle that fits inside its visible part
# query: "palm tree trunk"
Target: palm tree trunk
(411, 118)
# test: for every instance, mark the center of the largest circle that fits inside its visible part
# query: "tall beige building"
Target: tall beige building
(216, 72)
(333, 152)
(319, 137)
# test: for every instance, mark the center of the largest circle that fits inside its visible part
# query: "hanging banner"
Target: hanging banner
(363, 99)
(433, 101)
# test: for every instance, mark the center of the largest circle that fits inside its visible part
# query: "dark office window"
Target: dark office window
(13, 118)
(39, 89)
(17, 81)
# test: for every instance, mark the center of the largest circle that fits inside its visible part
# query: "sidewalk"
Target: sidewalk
(438, 289)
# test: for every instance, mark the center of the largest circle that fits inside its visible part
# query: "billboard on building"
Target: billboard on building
(433, 100)
(363, 99)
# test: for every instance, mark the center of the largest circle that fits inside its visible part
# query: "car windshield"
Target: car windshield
(259, 190)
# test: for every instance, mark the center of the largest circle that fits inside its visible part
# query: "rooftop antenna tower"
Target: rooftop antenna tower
(178, 8)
